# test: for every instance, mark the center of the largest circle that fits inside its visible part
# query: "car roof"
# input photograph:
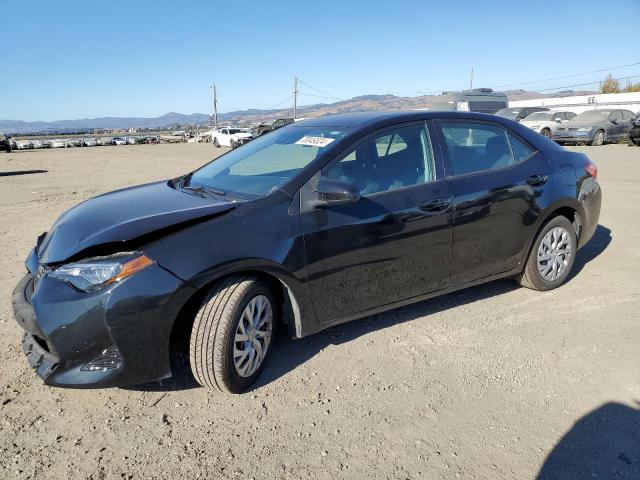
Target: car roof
(369, 119)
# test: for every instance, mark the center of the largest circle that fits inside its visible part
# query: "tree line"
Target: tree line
(612, 85)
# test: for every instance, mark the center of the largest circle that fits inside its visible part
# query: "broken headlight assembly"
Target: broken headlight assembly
(94, 273)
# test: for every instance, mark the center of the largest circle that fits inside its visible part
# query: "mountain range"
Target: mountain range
(178, 120)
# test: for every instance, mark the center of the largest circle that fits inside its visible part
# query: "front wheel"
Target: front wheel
(232, 334)
(216, 143)
(598, 138)
(552, 256)
(546, 132)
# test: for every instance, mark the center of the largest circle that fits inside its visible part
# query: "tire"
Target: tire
(232, 143)
(216, 329)
(215, 143)
(546, 132)
(598, 139)
(531, 276)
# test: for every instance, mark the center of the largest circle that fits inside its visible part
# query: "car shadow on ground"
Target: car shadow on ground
(21, 172)
(598, 244)
(288, 355)
(603, 444)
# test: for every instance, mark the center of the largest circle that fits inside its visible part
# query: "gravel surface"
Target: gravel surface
(490, 382)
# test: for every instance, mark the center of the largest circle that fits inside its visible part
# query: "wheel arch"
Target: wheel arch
(282, 283)
(568, 208)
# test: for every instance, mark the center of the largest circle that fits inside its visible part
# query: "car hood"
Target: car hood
(122, 216)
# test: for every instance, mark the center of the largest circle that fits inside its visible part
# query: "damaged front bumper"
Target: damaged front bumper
(115, 336)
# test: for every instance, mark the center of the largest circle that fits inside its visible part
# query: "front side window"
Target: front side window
(268, 162)
(475, 147)
(395, 159)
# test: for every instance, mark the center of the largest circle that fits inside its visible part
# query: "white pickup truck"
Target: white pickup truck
(230, 137)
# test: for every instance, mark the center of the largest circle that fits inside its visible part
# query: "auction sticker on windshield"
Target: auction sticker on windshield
(315, 141)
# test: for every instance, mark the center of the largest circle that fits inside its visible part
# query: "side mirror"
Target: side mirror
(336, 192)
(558, 120)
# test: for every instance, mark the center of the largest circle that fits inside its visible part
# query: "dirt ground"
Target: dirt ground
(486, 383)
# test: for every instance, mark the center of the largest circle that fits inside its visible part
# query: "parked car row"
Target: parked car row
(77, 142)
(593, 127)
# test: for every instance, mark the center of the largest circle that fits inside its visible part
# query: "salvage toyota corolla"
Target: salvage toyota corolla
(318, 223)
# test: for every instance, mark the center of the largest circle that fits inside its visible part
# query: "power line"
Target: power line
(320, 91)
(280, 103)
(584, 84)
(568, 76)
(319, 96)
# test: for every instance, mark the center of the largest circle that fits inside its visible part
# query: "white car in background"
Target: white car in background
(88, 142)
(36, 144)
(230, 137)
(23, 144)
(58, 143)
(546, 123)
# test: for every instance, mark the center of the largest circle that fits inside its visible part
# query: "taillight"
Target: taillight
(591, 169)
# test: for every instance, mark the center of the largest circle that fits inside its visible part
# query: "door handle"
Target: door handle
(436, 205)
(535, 180)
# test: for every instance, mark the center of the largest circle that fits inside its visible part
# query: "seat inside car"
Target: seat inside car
(497, 153)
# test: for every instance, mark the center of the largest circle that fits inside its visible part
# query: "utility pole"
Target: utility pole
(295, 97)
(215, 106)
(471, 80)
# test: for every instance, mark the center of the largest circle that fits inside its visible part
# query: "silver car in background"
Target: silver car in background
(595, 127)
(545, 123)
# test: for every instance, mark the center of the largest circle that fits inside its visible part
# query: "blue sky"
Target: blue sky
(68, 59)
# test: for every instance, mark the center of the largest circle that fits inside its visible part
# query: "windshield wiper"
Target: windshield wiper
(204, 191)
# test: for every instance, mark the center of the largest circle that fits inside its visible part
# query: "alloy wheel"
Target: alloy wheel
(253, 336)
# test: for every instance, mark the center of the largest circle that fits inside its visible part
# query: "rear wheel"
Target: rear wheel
(216, 143)
(552, 256)
(598, 138)
(232, 334)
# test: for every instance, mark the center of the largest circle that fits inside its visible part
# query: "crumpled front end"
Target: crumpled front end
(115, 336)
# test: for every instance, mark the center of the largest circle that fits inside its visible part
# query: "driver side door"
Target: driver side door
(393, 242)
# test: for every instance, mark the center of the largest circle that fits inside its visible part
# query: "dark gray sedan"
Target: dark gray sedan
(595, 127)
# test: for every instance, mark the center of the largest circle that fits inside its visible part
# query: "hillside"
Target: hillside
(179, 120)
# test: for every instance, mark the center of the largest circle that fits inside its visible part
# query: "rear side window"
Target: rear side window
(476, 147)
(522, 151)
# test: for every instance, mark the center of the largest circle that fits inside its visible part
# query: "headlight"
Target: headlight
(94, 273)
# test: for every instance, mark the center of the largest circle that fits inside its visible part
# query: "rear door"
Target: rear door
(497, 180)
(394, 242)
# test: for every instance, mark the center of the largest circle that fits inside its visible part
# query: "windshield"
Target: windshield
(266, 163)
(592, 115)
(539, 116)
(233, 131)
(511, 113)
